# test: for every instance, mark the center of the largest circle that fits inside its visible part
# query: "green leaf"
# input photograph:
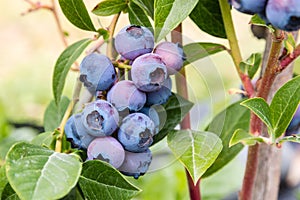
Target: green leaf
(175, 109)
(284, 105)
(104, 33)
(224, 124)
(54, 113)
(20, 134)
(3, 179)
(43, 139)
(35, 172)
(289, 43)
(199, 50)
(261, 109)
(147, 6)
(196, 150)
(257, 20)
(292, 138)
(168, 14)
(63, 64)
(75, 11)
(241, 136)
(207, 16)
(251, 65)
(137, 16)
(100, 180)
(9, 193)
(75, 194)
(109, 7)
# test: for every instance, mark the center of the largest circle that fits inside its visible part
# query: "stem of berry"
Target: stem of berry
(111, 29)
(234, 46)
(181, 86)
(75, 99)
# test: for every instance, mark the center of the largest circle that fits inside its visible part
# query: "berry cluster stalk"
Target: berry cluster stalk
(181, 86)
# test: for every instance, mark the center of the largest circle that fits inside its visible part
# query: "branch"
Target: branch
(256, 126)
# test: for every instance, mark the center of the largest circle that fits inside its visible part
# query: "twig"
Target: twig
(36, 6)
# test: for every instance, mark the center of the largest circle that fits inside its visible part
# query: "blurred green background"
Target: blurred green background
(29, 47)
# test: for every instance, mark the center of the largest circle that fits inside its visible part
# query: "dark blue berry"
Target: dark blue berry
(97, 72)
(136, 132)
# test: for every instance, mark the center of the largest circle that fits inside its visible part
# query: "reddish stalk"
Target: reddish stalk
(182, 89)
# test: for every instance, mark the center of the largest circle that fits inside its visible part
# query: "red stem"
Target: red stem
(182, 89)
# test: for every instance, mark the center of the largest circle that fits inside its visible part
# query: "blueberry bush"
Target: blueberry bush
(133, 96)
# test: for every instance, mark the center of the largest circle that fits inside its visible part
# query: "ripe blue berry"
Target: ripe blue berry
(76, 133)
(100, 118)
(97, 72)
(294, 126)
(136, 132)
(249, 6)
(160, 96)
(172, 55)
(148, 72)
(107, 149)
(133, 41)
(284, 15)
(125, 95)
(157, 114)
(136, 164)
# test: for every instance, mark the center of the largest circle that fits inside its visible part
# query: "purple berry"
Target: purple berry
(100, 118)
(172, 55)
(136, 164)
(160, 96)
(148, 72)
(133, 41)
(136, 132)
(125, 95)
(97, 72)
(107, 149)
(249, 6)
(76, 133)
(284, 15)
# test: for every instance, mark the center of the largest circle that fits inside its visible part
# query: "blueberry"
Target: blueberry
(249, 6)
(172, 55)
(148, 72)
(294, 126)
(136, 164)
(133, 41)
(100, 118)
(136, 132)
(125, 95)
(160, 96)
(97, 72)
(76, 133)
(107, 149)
(284, 15)
(157, 114)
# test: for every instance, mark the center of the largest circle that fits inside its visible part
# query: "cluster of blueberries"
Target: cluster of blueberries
(119, 127)
(283, 14)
